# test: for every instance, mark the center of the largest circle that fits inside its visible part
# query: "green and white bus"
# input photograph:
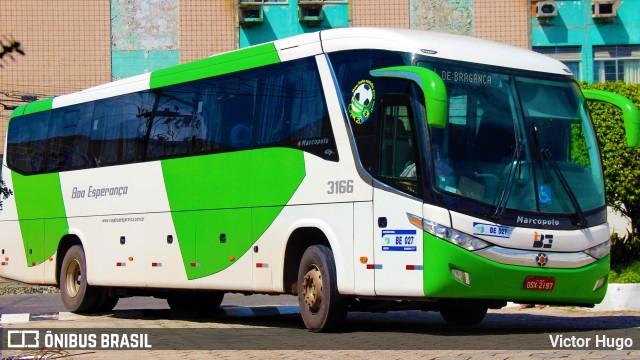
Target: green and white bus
(360, 169)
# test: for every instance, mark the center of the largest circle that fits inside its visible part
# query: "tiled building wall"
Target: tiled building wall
(380, 13)
(67, 46)
(207, 28)
(506, 21)
(450, 16)
(144, 36)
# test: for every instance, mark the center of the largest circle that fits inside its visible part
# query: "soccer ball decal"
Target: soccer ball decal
(362, 101)
(363, 94)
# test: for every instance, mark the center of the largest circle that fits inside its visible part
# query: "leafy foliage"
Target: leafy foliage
(626, 274)
(5, 192)
(621, 167)
(624, 251)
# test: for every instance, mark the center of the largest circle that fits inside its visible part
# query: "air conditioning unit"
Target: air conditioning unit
(604, 9)
(250, 12)
(310, 12)
(546, 9)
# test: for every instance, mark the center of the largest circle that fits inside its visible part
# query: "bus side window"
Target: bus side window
(397, 150)
(118, 129)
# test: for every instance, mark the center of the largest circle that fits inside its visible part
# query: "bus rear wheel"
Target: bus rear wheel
(321, 306)
(467, 316)
(77, 294)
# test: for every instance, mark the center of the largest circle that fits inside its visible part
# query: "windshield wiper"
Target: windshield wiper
(582, 220)
(516, 159)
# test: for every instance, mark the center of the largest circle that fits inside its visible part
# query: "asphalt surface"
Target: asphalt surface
(270, 327)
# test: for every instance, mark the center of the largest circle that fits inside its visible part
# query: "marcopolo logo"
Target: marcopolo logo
(537, 221)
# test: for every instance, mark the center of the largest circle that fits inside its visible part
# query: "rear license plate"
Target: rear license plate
(539, 283)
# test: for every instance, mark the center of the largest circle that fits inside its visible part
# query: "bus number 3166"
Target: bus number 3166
(340, 187)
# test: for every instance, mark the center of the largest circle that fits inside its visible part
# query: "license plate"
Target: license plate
(539, 283)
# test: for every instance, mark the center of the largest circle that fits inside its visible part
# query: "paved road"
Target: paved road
(50, 303)
(252, 330)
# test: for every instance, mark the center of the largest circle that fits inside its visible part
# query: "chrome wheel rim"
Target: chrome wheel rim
(312, 289)
(74, 278)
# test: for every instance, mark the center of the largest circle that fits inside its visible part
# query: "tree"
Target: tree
(7, 48)
(621, 166)
(5, 192)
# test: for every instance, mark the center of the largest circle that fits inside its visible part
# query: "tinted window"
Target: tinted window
(278, 105)
(171, 120)
(26, 145)
(68, 139)
(119, 127)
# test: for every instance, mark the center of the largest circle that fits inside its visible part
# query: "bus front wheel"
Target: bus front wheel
(321, 306)
(77, 294)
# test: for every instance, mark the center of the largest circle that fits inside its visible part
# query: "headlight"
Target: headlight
(599, 251)
(456, 237)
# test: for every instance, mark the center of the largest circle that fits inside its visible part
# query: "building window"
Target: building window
(568, 55)
(617, 63)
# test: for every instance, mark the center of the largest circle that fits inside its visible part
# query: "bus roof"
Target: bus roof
(432, 44)
(441, 45)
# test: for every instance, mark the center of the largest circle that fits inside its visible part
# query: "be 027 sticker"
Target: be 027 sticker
(362, 101)
(491, 230)
(399, 240)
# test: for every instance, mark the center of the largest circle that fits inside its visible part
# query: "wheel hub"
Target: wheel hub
(74, 278)
(312, 289)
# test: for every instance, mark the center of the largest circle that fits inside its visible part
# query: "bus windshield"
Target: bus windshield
(516, 143)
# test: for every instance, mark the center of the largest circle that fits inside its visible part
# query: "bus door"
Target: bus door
(397, 243)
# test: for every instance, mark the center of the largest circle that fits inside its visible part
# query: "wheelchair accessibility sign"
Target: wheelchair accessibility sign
(544, 194)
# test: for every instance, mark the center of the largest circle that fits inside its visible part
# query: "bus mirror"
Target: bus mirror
(629, 110)
(435, 93)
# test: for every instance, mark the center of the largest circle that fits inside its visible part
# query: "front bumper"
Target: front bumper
(495, 281)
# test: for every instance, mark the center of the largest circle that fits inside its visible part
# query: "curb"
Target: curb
(620, 297)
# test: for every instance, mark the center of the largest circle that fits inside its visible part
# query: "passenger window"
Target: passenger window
(118, 129)
(173, 118)
(27, 138)
(68, 139)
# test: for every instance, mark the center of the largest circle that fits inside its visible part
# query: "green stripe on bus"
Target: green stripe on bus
(18, 111)
(41, 214)
(38, 106)
(221, 204)
(244, 59)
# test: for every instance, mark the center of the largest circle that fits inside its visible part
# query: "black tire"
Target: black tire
(205, 303)
(322, 307)
(106, 302)
(456, 316)
(77, 295)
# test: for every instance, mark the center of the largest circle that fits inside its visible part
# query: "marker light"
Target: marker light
(599, 251)
(462, 276)
(599, 284)
(456, 237)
